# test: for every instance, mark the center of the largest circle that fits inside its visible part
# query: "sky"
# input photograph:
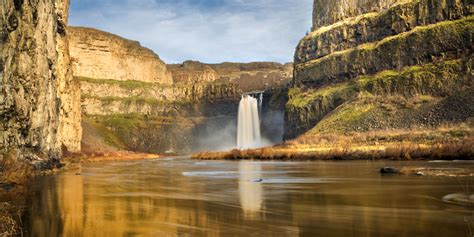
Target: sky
(210, 31)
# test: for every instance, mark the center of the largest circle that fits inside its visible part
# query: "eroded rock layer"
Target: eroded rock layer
(155, 118)
(248, 76)
(383, 65)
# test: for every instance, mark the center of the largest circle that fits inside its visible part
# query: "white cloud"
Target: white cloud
(209, 31)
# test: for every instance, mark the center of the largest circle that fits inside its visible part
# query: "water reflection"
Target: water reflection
(250, 188)
(182, 198)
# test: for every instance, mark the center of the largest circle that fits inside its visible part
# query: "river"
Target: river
(183, 197)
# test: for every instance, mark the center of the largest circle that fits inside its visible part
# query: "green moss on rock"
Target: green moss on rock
(409, 89)
(128, 84)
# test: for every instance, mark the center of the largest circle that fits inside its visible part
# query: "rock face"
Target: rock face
(35, 80)
(248, 76)
(383, 64)
(148, 117)
(192, 72)
(98, 54)
(68, 87)
(327, 12)
(375, 26)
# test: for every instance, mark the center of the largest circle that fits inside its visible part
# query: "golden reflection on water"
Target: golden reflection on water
(250, 188)
(158, 200)
(79, 212)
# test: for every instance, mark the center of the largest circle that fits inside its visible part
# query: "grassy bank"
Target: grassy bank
(441, 143)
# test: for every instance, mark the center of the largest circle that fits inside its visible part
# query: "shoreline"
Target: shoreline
(452, 143)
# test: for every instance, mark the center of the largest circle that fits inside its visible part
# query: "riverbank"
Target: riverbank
(445, 143)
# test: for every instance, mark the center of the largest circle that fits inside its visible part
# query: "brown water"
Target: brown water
(181, 197)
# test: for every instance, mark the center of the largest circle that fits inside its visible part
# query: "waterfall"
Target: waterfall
(248, 133)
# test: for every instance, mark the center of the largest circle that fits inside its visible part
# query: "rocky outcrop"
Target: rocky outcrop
(248, 76)
(149, 117)
(387, 100)
(374, 26)
(454, 40)
(107, 97)
(35, 81)
(98, 54)
(372, 65)
(327, 12)
(192, 72)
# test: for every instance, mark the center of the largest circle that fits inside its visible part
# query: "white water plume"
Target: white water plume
(248, 131)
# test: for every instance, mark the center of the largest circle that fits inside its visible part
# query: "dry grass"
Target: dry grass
(91, 157)
(9, 225)
(442, 143)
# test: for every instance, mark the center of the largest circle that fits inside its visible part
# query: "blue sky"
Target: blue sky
(210, 31)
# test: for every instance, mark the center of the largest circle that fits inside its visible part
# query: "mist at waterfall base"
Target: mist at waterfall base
(220, 133)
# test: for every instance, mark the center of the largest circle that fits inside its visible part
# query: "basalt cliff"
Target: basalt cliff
(382, 65)
(39, 105)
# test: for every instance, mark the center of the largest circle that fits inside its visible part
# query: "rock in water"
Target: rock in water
(389, 170)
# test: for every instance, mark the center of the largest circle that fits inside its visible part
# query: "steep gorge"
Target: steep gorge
(175, 108)
(377, 65)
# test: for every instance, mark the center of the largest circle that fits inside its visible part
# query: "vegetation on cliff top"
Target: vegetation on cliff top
(133, 84)
(136, 100)
(128, 84)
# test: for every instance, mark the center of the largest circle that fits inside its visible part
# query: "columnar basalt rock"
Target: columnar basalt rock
(327, 12)
(374, 26)
(35, 82)
(353, 72)
(98, 54)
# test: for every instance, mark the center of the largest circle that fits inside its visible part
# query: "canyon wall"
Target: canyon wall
(248, 76)
(129, 101)
(383, 65)
(36, 81)
(98, 54)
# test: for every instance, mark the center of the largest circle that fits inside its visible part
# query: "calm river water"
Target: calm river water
(182, 197)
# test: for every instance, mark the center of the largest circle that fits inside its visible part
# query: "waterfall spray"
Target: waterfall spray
(248, 133)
